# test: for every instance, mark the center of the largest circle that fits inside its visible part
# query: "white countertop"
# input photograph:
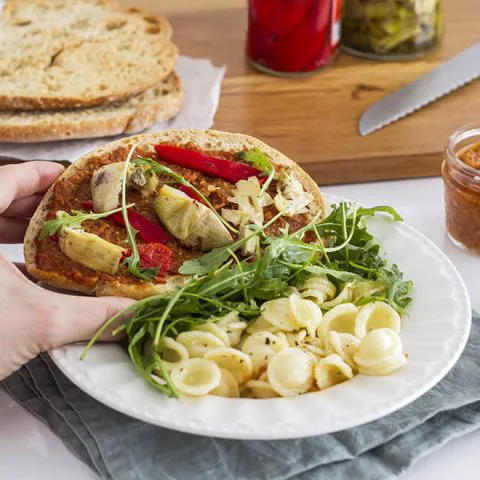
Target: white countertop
(28, 451)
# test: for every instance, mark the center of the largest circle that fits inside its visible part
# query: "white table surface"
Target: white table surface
(28, 451)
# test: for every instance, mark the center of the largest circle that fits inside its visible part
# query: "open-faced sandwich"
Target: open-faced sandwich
(123, 219)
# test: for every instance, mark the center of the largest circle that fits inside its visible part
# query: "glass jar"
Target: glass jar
(391, 29)
(461, 175)
(292, 37)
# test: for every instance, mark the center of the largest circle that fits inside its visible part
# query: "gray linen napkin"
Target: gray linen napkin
(119, 447)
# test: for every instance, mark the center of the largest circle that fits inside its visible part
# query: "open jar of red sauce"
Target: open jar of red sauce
(292, 37)
(461, 175)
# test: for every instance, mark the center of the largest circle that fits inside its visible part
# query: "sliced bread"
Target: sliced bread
(132, 115)
(79, 53)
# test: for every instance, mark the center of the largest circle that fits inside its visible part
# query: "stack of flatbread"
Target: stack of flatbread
(83, 68)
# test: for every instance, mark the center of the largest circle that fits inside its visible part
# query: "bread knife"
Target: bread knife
(452, 74)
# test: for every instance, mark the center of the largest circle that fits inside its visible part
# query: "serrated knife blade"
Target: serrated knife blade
(452, 74)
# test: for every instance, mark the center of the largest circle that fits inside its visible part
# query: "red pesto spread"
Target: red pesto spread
(462, 199)
(70, 192)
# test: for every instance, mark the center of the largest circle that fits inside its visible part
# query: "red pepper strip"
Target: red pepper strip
(188, 191)
(215, 167)
(154, 255)
(148, 231)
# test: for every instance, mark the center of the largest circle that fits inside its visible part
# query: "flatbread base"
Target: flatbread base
(208, 140)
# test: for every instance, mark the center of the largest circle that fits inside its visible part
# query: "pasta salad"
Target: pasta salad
(300, 316)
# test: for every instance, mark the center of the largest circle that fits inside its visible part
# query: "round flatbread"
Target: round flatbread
(57, 54)
(207, 141)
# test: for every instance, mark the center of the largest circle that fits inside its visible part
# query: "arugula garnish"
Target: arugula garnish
(163, 170)
(75, 219)
(258, 159)
(216, 257)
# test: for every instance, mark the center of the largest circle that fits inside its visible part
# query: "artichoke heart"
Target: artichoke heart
(190, 221)
(106, 184)
(291, 198)
(143, 180)
(250, 203)
(90, 250)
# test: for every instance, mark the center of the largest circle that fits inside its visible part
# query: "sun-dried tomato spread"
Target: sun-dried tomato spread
(462, 197)
(72, 191)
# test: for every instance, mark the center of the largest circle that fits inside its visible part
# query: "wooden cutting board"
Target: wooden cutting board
(314, 120)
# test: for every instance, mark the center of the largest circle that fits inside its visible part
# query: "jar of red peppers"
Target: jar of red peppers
(461, 175)
(292, 37)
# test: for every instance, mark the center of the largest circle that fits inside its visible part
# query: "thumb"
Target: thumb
(79, 318)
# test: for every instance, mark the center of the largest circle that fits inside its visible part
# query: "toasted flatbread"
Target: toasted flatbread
(58, 54)
(202, 140)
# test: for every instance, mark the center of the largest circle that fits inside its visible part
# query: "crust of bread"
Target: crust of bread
(208, 140)
(130, 116)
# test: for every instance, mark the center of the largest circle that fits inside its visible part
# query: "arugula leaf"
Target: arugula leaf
(398, 290)
(269, 288)
(207, 262)
(259, 160)
(75, 219)
(381, 209)
(341, 275)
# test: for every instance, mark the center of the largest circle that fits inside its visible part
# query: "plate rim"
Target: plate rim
(355, 421)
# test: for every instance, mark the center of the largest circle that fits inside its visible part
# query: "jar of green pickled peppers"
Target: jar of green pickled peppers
(391, 29)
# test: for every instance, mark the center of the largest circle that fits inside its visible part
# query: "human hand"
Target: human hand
(34, 319)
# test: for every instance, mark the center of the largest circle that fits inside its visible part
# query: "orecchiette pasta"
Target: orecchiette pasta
(261, 325)
(331, 370)
(278, 313)
(318, 289)
(228, 386)
(233, 326)
(344, 345)
(380, 352)
(376, 315)
(261, 388)
(307, 314)
(344, 296)
(235, 361)
(172, 352)
(309, 343)
(295, 339)
(260, 347)
(199, 343)
(290, 372)
(292, 290)
(340, 318)
(313, 350)
(366, 289)
(290, 349)
(214, 329)
(196, 376)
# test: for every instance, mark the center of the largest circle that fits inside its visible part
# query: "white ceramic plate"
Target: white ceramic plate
(434, 336)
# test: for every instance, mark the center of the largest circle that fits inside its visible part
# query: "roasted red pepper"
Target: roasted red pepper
(188, 191)
(148, 231)
(154, 255)
(215, 167)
